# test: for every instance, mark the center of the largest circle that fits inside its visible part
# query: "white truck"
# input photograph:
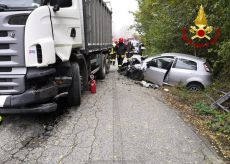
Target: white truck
(48, 50)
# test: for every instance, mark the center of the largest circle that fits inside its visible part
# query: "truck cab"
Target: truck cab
(48, 49)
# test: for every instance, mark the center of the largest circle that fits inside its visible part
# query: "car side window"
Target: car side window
(163, 63)
(185, 64)
(153, 63)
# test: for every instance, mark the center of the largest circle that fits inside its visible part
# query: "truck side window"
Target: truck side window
(62, 3)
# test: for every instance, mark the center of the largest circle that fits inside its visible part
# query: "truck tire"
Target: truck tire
(107, 64)
(74, 96)
(102, 71)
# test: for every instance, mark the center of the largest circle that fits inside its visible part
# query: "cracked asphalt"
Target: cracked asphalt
(123, 123)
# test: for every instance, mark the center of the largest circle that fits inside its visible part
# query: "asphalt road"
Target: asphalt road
(123, 123)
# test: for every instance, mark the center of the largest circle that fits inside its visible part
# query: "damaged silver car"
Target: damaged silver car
(175, 68)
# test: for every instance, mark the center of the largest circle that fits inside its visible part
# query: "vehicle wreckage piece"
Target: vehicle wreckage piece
(220, 101)
(148, 85)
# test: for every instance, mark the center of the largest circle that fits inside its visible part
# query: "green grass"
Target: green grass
(218, 120)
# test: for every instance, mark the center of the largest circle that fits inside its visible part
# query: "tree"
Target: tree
(160, 23)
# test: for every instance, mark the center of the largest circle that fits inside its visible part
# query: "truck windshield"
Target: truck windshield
(21, 3)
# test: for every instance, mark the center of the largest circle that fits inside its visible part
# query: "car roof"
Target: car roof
(184, 56)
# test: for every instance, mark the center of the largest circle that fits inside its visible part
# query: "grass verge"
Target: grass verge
(214, 124)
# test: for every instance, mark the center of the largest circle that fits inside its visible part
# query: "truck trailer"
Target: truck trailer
(48, 50)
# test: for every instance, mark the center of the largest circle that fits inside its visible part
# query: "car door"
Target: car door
(181, 71)
(66, 27)
(154, 72)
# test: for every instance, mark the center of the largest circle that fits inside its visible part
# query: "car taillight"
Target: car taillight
(207, 67)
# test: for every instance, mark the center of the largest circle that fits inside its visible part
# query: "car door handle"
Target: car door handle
(73, 33)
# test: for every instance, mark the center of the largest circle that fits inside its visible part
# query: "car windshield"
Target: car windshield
(21, 3)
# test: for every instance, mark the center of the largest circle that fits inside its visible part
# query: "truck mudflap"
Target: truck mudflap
(26, 102)
(43, 108)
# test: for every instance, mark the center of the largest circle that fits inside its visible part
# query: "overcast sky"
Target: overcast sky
(122, 19)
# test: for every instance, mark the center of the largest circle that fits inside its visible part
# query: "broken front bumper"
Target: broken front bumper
(43, 108)
(27, 102)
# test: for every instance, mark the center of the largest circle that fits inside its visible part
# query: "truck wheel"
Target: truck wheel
(107, 64)
(74, 96)
(102, 71)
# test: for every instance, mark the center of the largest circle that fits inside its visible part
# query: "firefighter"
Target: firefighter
(130, 49)
(113, 54)
(120, 50)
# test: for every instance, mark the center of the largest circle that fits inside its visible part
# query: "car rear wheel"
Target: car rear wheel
(195, 87)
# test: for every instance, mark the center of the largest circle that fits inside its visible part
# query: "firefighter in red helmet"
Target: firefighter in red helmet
(120, 49)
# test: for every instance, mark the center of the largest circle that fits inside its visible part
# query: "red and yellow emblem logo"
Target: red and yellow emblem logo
(200, 31)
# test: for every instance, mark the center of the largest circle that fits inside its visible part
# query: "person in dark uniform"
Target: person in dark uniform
(113, 54)
(120, 49)
(141, 48)
(130, 49)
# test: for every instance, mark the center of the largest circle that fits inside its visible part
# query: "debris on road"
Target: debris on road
(148, 85)
(166, 90)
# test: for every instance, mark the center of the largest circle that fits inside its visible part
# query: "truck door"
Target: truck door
(65, 17)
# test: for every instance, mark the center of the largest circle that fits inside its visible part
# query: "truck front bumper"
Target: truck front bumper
(27, 102)
(43, 108)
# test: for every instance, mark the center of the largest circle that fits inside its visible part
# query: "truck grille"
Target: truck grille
(12, 84)
(6, 88)
(4, 46)
(5, 69)
(5, 58)
(3, 34)
(12, 59)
